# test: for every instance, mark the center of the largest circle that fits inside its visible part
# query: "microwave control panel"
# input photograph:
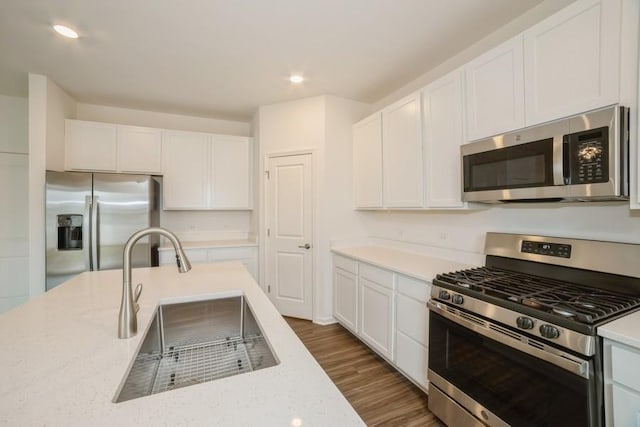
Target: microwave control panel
(588, 156)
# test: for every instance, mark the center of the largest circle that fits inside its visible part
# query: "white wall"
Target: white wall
(465, 231)
(290, 126)
(13, 124)
(60, 106)
(521, 23)
(321, 124)
(127, 116)
(14, 207)
(49, 106)
(338, 219)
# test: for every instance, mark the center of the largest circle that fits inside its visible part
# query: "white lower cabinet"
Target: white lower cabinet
(345, 292)
(412, 359)
(387, 311)
(622, 384)
(376, 316)
(412, 331)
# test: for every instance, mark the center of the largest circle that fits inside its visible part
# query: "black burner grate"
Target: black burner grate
(572, 301)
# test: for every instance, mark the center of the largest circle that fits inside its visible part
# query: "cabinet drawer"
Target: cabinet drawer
(625, 364)
(413, 319)
(346, 264)
(416, 289)
(412, 358)
(377, 275)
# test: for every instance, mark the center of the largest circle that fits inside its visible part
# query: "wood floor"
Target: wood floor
(378, 393)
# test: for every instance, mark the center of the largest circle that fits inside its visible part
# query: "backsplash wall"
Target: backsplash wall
(465, 230)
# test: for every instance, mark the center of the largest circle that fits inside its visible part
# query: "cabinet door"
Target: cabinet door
(139, 149)
(367, 162)
(626, 407)
(443, 135)
(412, 359)
(572, 61)
(495, 91)
(185, 182)
(230, 173)
(345, 298)
(376, 317)
(413, 319)
(402, 154)
(90, 146)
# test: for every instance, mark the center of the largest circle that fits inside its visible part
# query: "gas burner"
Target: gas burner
(563, 312)
(557, 298)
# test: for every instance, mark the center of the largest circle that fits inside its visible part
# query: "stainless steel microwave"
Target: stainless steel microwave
(580, 158)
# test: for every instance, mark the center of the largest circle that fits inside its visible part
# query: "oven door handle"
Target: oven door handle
(512, 339)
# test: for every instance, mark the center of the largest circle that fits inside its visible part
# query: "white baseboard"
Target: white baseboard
(324, 321)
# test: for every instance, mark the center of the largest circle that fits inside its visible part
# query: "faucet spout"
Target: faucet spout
(128, 319)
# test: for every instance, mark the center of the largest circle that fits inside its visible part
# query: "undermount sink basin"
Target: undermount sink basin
(194, 342)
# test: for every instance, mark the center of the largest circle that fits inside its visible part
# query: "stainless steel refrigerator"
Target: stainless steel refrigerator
(90, 216)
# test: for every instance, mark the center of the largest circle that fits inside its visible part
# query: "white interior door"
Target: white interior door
(289, 235)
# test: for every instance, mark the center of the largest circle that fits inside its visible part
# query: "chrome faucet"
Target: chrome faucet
(128, 319)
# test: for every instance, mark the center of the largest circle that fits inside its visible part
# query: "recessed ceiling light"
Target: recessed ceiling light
(296, 78)
(65, 31)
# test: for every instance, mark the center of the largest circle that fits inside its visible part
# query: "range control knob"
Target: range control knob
(457, 299)
(524, 323)
(444, 295)
(549, 331)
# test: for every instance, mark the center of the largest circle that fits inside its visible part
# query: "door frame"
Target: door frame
(264, 219)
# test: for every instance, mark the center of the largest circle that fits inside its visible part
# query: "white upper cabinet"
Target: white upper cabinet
(139, 149)
(572, 61)
(443, 134)
(90, 146)
(185, 169)
(107, 147)
(203, 171)
(495, 91)
(367, 162)
(230, 172)
(402, 158)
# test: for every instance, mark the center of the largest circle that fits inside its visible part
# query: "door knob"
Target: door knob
(306, 246)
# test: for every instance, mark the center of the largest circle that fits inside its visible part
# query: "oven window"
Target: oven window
(520, 166)
(520, 389)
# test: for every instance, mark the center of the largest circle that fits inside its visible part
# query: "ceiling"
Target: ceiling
(224, 58)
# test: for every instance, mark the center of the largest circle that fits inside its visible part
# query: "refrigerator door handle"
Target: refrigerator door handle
(95, 234)
(87, 241)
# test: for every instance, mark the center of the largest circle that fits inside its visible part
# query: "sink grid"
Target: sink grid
(186, 365)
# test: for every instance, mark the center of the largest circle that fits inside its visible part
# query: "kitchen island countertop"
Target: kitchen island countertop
(64, 363)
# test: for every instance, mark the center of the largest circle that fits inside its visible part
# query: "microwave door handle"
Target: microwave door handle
(558, 160)
(566, 160)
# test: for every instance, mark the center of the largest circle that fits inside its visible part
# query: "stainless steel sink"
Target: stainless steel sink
(194, 342)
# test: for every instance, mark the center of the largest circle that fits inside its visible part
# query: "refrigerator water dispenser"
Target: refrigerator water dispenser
(69, 232)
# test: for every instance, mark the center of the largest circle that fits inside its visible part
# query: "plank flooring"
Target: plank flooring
(378, 393)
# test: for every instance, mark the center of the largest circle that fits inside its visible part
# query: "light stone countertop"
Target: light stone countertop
(210, 244)
(422, 267)
(625, 330)
(63, 362)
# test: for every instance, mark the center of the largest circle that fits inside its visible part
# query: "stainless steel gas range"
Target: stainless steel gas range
(515, 342)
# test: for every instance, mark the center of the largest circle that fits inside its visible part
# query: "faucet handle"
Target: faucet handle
(136, 296)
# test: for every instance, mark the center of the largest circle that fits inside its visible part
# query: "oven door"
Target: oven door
(500, 384)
